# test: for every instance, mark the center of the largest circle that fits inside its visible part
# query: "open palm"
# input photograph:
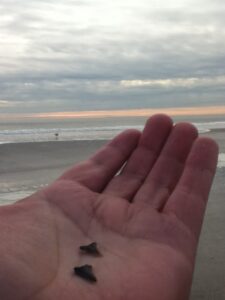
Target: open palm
(141, 198)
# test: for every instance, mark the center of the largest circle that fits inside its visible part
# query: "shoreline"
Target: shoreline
(215, 133)
(212, 131)
(30, 165)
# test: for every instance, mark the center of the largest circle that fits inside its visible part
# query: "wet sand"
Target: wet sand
(209, 276)
(26, 167)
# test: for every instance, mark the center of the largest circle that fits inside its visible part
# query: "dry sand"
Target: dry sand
(27, 166)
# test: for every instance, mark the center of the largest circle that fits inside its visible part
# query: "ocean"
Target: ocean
(29, 130)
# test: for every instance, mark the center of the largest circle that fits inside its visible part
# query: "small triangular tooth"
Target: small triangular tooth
(85, 272)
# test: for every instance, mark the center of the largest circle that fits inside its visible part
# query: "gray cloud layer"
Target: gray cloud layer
(76, 55)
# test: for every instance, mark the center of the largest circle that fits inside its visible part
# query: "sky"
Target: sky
(78, 55)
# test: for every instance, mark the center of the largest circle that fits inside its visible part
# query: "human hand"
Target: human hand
(146, 221)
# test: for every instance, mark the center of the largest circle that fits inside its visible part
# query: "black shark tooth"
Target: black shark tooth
(91, 249)
(85, 272)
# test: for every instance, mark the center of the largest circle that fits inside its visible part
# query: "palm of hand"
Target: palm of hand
(148, 246)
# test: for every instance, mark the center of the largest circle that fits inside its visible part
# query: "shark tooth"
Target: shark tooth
(91, 249)
(85, 272)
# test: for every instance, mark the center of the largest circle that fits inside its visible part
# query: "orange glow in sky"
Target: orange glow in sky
(184, 111)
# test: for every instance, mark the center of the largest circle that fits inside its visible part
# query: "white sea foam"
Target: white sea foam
(221, 160)
(64, 133)
(11, 197)
(207, 126)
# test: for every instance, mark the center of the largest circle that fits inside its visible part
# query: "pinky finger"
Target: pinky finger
(189, 199)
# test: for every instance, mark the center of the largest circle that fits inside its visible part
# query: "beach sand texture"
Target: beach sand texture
(26, 167)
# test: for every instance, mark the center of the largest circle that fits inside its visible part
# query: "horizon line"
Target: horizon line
(143, 112)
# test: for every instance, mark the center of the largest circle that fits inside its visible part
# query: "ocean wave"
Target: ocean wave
(64, 133)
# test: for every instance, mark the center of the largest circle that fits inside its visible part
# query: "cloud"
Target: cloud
(176, 82)
(4, 103)
(98, 54)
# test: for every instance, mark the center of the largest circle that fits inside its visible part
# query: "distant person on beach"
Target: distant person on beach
(56, 135)
(141, 198)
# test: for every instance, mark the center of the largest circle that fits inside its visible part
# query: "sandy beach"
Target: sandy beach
(26, 167)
